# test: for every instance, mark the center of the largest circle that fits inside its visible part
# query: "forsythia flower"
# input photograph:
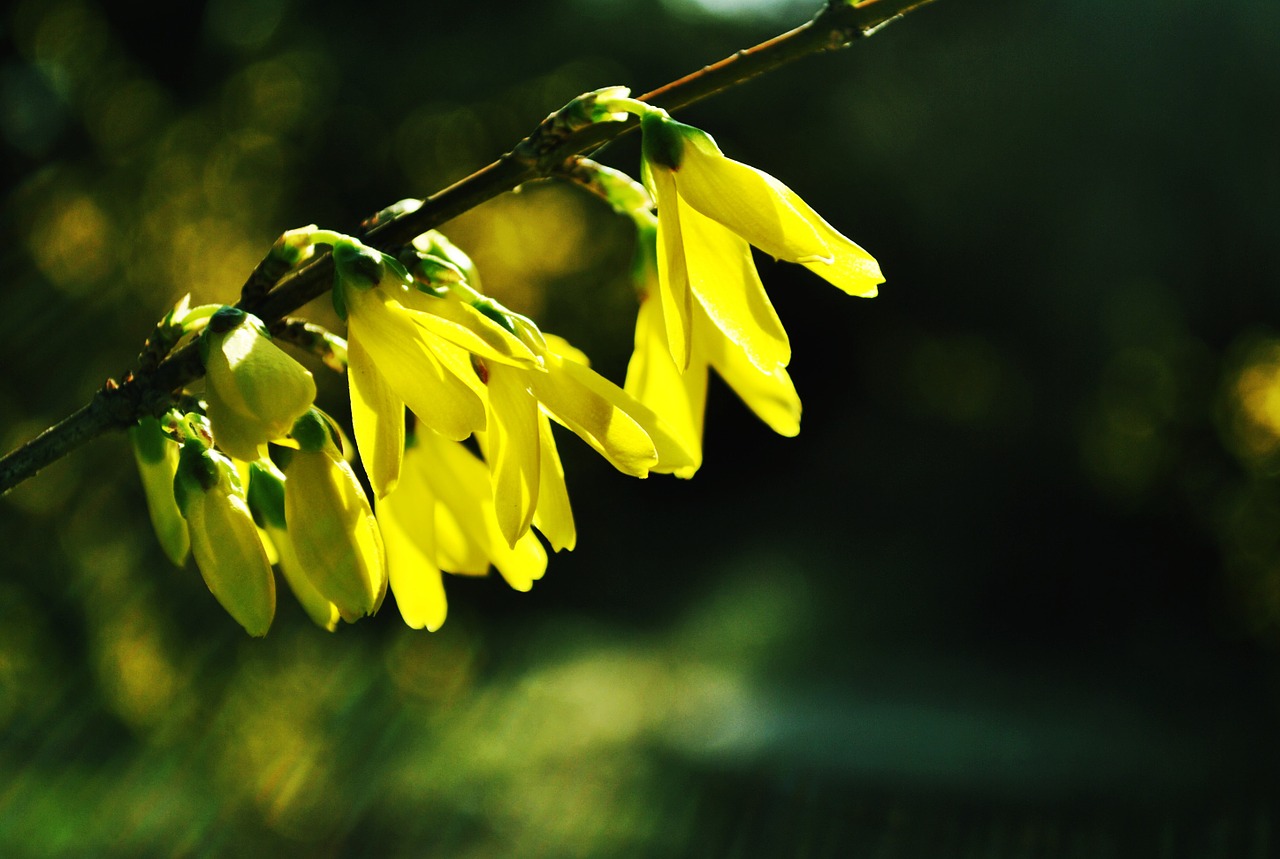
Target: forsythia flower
(409, 348)
(654, 379)
(332, 532)
(441, 518)
(710, 208)
(157, 459)
(254, 391)
(702, 303)
(528, 478)
(224, 538)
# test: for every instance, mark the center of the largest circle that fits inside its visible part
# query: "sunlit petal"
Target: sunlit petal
(554, 516)
(377, 416)
(595, 409)
(672, 269)
(513, 450)
(723, 277)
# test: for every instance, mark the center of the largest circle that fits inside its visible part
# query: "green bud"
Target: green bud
(157, 458)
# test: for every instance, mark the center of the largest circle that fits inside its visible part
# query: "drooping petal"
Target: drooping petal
(377, 415)
(462, 485)
(673, 276)
(415, 579)
(723, 277)
(513, 450)
(771, 395)
(464, 326)
(405, 358)
(851, 269)
(679, 399)
(554, 516)
(597, 410)
(749, 203)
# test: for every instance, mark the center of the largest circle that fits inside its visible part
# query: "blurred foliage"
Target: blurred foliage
(1015, 590)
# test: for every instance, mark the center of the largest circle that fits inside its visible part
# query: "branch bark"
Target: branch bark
(150, 390)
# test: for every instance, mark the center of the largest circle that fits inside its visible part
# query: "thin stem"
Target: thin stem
(150, 390)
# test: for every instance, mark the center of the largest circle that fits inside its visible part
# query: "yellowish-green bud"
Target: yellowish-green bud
(266, 501)
(157, 459)
(224, 538)
(254, 390)
(331, 526)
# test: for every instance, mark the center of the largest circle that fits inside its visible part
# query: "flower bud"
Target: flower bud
(254, 390)
(157, 459)
(224, 538)
(334, 535)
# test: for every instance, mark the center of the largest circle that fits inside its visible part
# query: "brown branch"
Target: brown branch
(151, 389)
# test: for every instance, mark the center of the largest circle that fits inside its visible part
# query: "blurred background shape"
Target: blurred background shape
(1014, 591)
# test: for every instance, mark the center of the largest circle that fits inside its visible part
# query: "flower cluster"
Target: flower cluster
(453, 398)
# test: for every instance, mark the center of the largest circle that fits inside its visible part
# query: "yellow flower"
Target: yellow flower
(654, 379)
(710, 209)
(441, 518)
(409, 348)
(521, 450)
(254, 391)
(157, 459)
(332, 530)
(224, 538)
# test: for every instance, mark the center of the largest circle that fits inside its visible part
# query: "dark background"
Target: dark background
(1014, 591)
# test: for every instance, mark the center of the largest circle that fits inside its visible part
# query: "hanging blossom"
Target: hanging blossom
(522, 399)
(409, 348)
(441, 519)
(702, 302)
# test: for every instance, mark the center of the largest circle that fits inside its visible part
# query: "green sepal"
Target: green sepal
(314, 433)
(197, 472)
(664, 140)
(358, 265)
(266, 495)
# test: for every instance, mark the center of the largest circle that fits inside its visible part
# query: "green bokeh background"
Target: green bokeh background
(1014, 591)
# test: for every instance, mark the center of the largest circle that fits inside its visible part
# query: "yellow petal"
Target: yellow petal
(673, 276)
(334, 533)
(415, 579)
(554, 516)
(723, 277)
(461, 484)
(851, 269)
(598, 411)
(771, 395)
(402, 354)
(679, 399)
(468, 328)
(234, 565)
(377, 415)
(513, 450)
(241, 437)
(751, 204)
